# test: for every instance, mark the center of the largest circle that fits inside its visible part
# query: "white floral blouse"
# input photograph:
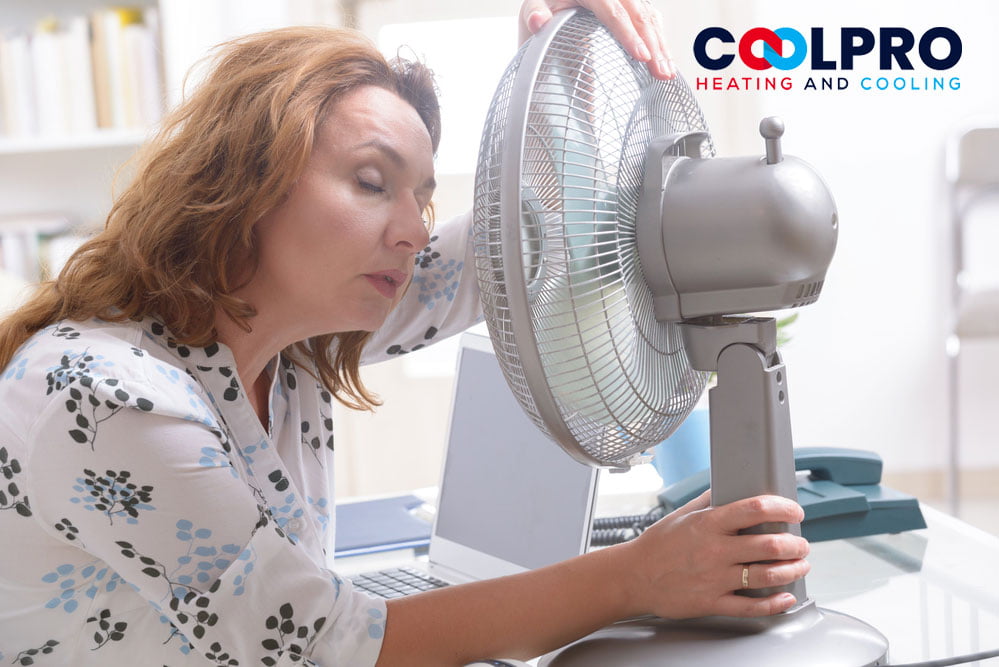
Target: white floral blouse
(148, 518)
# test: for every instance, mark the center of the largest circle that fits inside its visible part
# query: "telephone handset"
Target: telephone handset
(841, 494)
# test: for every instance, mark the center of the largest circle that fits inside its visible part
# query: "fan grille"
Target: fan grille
(620, 380)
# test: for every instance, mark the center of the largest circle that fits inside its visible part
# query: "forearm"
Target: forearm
(519, 616)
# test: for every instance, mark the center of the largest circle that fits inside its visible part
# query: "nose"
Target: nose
(408, 229)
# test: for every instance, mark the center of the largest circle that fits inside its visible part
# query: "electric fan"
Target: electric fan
(614, 253)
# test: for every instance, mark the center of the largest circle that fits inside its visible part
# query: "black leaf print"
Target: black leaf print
(67, 332)
(312, 443)
(232, 392)
(27, 657)
(291, 638)
(426, 257)
(196, 611)
(323, 435)
(326, 412)
(10, 497)
(220, 657)
(89, 409)
(278, 479)
(182, 350)
(429, 334)
(115, 494)
(264, 518)
(156, 570)
(223, 439)
(290, 379)
(66, 527)
(106, 631)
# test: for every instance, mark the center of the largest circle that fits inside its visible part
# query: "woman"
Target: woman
(166, 439)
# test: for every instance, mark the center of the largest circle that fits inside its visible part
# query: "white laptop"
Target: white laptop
(510, 499)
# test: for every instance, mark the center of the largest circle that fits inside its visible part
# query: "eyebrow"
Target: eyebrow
(395, 156)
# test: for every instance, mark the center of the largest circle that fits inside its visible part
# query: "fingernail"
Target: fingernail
(535, 21)
(665, 69)
(643, 52)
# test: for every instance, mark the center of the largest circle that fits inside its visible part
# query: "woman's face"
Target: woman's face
(337, 254)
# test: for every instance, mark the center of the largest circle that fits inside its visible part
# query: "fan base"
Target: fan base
(806, 635)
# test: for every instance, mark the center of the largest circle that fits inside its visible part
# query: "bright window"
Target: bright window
(468, 57)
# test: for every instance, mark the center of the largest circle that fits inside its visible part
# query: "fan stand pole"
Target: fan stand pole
(751, 446)
(751, 454)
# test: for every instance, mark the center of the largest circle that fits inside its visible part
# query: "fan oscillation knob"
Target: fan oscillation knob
(772, 129)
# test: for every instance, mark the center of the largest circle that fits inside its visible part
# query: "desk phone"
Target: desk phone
(841, 494)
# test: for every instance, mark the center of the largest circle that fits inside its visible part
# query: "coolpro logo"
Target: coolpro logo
(892, 58)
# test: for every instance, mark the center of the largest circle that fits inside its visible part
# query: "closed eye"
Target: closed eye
(370, 187)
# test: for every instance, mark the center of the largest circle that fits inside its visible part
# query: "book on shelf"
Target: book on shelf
(35, 247)
(72, 76)
(13, 292)
(17, 95)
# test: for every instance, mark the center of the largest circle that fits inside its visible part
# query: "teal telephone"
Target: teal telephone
(842, 497)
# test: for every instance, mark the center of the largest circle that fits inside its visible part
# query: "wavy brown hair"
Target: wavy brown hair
(177, 241)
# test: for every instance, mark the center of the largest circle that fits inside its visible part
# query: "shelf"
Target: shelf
(91, 140)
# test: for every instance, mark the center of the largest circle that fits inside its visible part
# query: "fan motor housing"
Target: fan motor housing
(733, 235)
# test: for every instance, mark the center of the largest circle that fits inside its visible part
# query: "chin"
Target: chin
(370, 322)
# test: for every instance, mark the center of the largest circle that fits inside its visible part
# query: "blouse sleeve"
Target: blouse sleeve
(154, 495)
(442, 299)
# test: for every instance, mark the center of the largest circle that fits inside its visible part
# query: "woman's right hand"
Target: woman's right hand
(691, 562)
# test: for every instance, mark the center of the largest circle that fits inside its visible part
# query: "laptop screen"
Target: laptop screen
(507, 490)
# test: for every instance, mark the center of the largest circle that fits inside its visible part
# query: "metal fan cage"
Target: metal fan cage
(557, 187)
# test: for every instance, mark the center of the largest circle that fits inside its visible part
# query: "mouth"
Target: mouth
(387, 282)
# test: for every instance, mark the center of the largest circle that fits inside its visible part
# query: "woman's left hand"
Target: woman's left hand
(637, 24)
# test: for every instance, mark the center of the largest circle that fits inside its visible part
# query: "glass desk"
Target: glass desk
(934, 593)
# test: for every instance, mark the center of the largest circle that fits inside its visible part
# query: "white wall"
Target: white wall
(866, 365)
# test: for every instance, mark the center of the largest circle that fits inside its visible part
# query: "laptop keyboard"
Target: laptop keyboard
(396, 582)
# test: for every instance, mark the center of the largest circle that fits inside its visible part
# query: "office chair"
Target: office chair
(972, 171)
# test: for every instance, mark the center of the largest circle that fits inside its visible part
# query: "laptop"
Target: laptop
(510, 499)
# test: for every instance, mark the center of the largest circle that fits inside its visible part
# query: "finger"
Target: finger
(771, 546)
(741, 605)
(701, 502)
(749, 512)
(648, 23)
(534, 14)
(769, 575)
(619, 21)
(665, 48)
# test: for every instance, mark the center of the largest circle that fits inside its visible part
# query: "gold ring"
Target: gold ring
(745, 576)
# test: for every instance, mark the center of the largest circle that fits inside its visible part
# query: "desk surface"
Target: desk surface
(934, 593)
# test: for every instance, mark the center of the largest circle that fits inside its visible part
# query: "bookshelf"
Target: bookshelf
(53, 168)
(93, 140)
(60, 143)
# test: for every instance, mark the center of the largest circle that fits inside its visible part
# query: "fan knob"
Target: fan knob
(772, 129)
